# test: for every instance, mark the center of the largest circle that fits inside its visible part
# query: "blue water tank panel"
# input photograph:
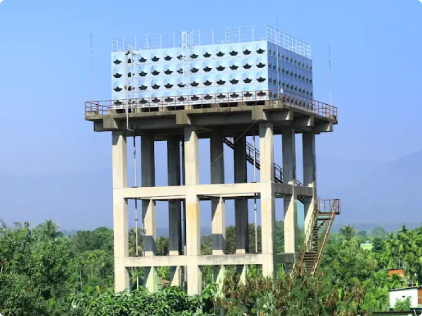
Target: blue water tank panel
(209, 70)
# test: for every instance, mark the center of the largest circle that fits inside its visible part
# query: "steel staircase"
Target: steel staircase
(320, 223)
(278, 171)
(318, 231)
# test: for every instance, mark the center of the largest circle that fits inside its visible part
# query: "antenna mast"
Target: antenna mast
(329, 69)
(92, 74)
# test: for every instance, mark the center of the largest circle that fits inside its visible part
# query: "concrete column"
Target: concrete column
(219, 273)
(175, 224)
(193, 229)
(120, 211)
(148, 206)
(266, 142)
(217, 157)
(176, 276)
(218, 226)
(241, 204)
(309, 176)
(290, 200)
(289, 156)
(149, 217)
(194, 280)
(151, 279)
(217, 204)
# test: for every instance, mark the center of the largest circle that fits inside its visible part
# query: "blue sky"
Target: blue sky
(45, 71)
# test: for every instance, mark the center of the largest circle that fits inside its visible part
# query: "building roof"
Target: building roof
(406, 288)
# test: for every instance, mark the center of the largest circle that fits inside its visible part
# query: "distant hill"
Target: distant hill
(391, 194)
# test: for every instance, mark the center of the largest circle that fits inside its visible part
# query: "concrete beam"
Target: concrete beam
(228, 190)
(182, 118)
(207, 191)
(213, 260)
(156, 193)
(323, 127)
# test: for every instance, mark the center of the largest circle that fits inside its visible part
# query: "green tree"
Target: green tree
(347, 232)
(403, 305)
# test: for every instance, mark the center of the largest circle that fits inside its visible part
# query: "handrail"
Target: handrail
(307, 241)
(314, 231)
(168, 103)
(278, 171)
(321, 247)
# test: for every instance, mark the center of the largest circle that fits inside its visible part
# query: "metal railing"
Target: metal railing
(168, 103)
(318, 231)
(242, 34)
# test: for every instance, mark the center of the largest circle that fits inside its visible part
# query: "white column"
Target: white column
(309, 176)
(193, 229)
(175, 226)
(217, 204)
(290, 200)
(120, 211)
(266, 142)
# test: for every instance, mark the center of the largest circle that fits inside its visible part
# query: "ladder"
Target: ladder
(320, 224)
(316, 238)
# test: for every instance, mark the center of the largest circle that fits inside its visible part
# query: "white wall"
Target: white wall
(403, 294)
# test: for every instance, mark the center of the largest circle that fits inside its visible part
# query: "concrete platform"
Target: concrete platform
(234, 118)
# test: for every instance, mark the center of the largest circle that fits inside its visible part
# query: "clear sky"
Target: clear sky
(45, 71)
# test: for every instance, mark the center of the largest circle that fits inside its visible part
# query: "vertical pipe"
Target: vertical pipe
(136, 208)
(184, 208)
(278, 68)
(329, 68)
(254, 200)
(92, 74)
(132, 75)
(127, 94)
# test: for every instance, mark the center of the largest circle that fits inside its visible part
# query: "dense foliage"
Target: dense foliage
(43, 272)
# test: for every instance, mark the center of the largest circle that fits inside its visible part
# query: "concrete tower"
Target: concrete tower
(226, 114)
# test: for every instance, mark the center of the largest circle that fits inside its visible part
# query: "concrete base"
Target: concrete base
(219, 121)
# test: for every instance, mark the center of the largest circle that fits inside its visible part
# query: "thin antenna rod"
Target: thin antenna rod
(127, 89)
(254, 200)
(136, 208)
(92, 74)
(278, 68)
(329, 68)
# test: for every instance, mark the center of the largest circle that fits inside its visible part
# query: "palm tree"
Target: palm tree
(347, 232)
(162, 246)
(132, 242)
(49, 230)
